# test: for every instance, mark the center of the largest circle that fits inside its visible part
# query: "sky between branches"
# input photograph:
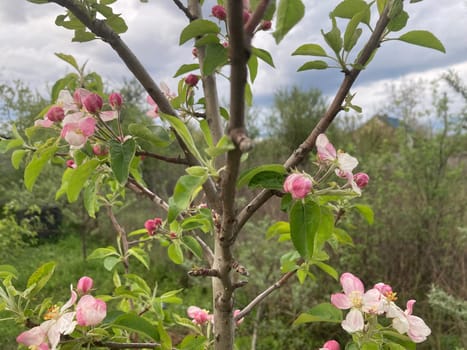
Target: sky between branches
(29, 39)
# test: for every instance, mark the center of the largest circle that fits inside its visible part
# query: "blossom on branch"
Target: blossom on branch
(405, 322)
(198, 315)
(298, 185)
(90, 311)
(331, 345)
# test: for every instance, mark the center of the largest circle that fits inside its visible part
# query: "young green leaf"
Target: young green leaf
(349, 8)
(40, 277)
(247, 175)
(121, 155)
(333, 37)
(216, 57)
(68, 59)
(185, 68)
(324, 312)
(318, 64)
(35, 166)
(423, 38)
(310, 50)
(175, 253)
(79, 177)
(263, 55)
(196, 28)
(304, 220)
(289, 13)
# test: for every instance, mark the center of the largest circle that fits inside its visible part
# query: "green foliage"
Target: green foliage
(289, 13)
(422, 38)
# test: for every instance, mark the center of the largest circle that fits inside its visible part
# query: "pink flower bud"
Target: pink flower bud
(235, 313)
(115, 100)
(99, 150)
(219, 12)
(192, 79)
(199, 316)
(299, 185)
(266, 25)
(194, 52)
(70, 163)
(90, 311)
(152, 225)
(55, 114)
(172, 235)
(331, 345)
(84, 284)
(383, 288)
(361, 179)
(93, 103)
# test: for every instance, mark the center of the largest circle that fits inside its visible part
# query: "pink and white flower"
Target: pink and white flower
(357, 300)
(85, 284)
(76, 130)
(154, 112)
(405, 322)
(198, 315)
(90, 311)
(298, 185)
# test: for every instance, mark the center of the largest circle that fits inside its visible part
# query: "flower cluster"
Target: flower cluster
(152, 225)
(89, 311)
(376, 301)
(78, 115)
(200, 316)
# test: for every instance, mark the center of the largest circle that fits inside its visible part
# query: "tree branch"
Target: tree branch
(334, 108)
(191, 16)
(256, 17)
(177, 160)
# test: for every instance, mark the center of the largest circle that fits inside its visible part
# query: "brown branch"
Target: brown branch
(133, 185)
(335, 107)
(123, 237)
(260, 297)
(203, 272)
(177, 160)
(256, 17)
(185, 10)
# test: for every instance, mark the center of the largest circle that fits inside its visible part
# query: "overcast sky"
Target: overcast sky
(29, 39)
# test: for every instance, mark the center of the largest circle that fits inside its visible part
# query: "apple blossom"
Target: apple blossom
(330, 345)
(90, 311)
(355, 299)
(43, 123)
(99, 150)
(405, 322)
(198, 315)
(84, 284)
(70, 163)
(299, 185)
(76, 130)
(58, 322)
(235, 313)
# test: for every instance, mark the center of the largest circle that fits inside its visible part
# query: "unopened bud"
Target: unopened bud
(84, 284)
(93, 103)
(55, 114)
(219, 12)
(192, 79)
(115, 100)
(266, 25)
(361, 179)
(70, 163)
(298, 185)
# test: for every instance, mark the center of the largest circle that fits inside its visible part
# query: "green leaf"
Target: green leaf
(263, 55)
(304, 220)
(175, 253)
(8, 271)
(398, 22)
(101, 253)
(349, 8)
(253, 67)
(207, 39)
(325, 312)
(121, 155)
(141, 255)
(186, 188)
(310, 50)
(366, 212)
(318, 64)
(397, 338)
(328, 269)
(138, 284)
(40, 277)
(248, 95)
(69, 81)
(423, 38)
(35, 166)
(267, 179)
(39, 1)
(82, 36)
(78, 178)
(185, 68)
(342, 236)
(154, 135)
(278, 228)
(90, 199)
(216, 57)
(193, 342)
(198, 28)
(166, 341)
(117, 23)
(185, 134)
(247, 175)
(333, 37)
(68, 59)
(289, 13)
(17, 157)
(192, 244)
(370, 346)
(134, 323)
(352, 33)
(110, 262)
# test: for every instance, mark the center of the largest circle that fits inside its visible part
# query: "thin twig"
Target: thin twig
(185, 10)
(133, 185)
(174, 160)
